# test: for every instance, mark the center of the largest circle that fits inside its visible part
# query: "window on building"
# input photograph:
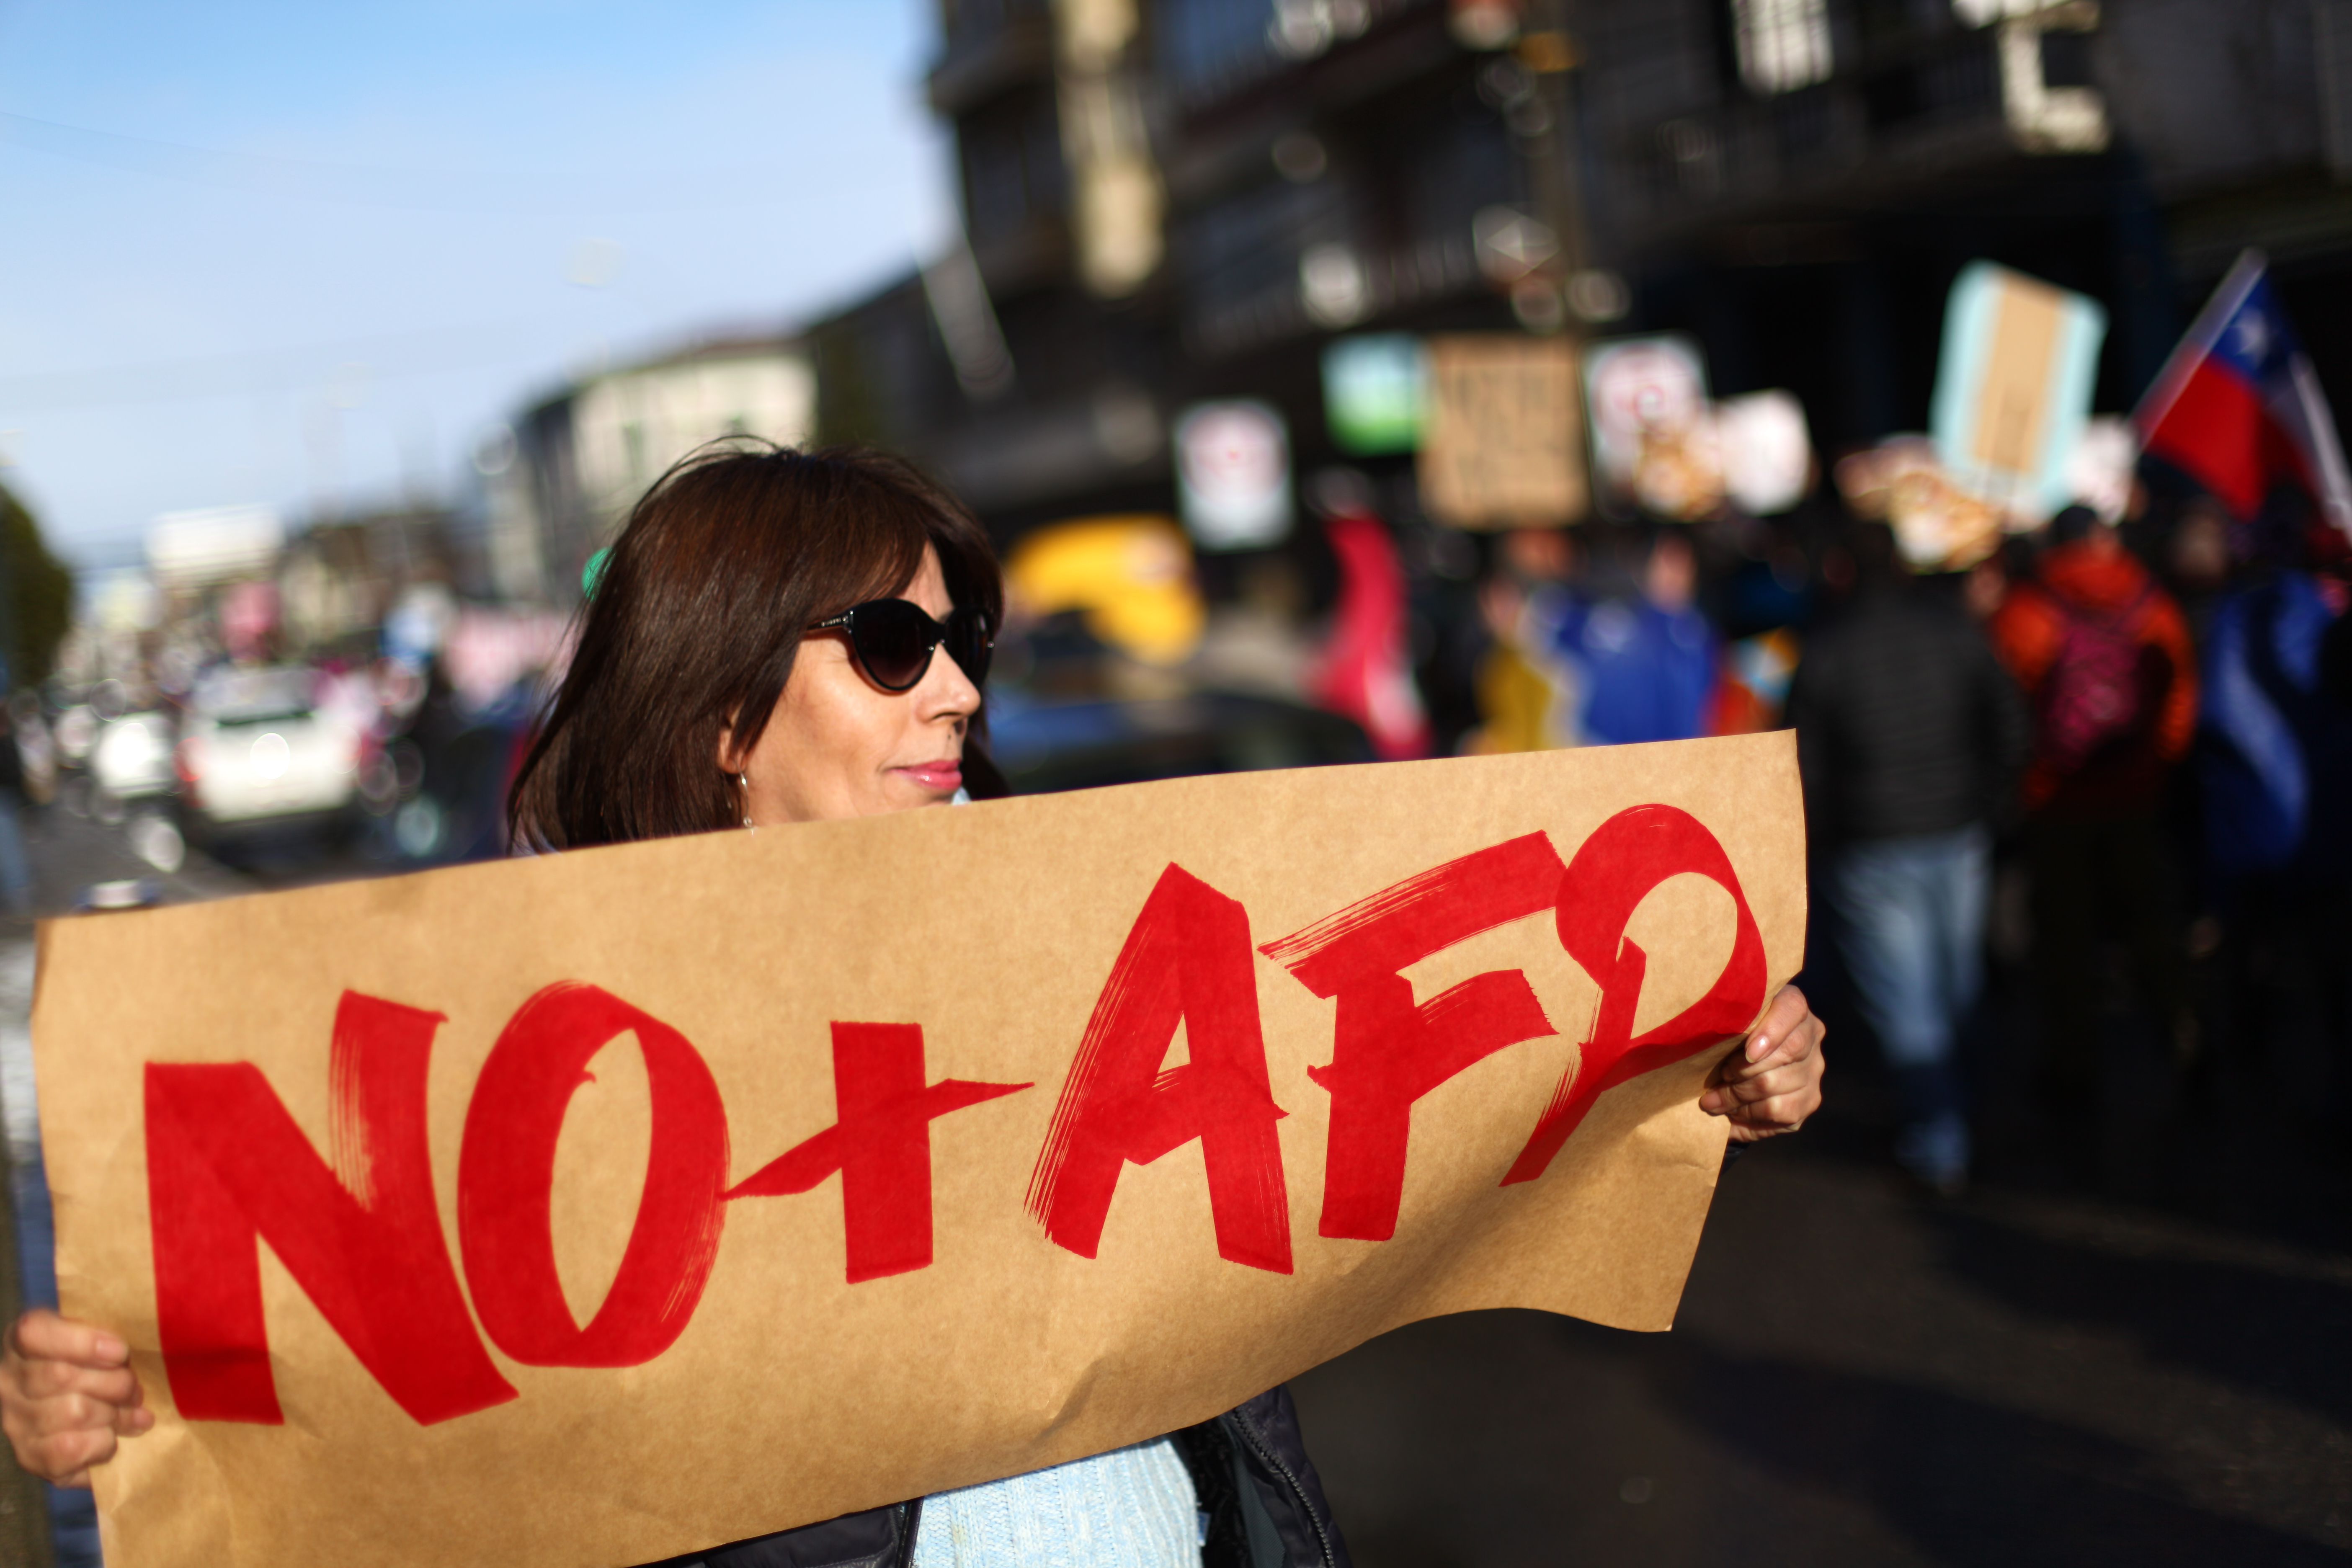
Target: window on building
(974, 18)
(2332, 23)
(1783, 44)
(975, 23)
(1013, 170)
(1984, 13)
(1452, 165)
(1209, 48)
(1239, 257)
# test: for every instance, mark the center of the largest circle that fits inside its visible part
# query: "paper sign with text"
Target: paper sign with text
(595, 1208)
(1502, 445)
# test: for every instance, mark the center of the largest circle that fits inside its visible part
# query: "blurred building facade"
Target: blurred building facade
(338, 581)
(558, 481)
(1780, 179)
(1165, 200)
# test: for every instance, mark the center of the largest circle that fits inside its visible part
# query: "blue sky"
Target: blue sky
(275, 252)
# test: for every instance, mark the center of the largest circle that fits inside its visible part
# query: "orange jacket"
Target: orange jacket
(2029, 630)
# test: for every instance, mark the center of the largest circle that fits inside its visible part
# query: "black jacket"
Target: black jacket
(1263, 1500)
(1906, 723)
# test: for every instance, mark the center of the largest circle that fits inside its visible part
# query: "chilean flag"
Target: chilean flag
(2238, 406)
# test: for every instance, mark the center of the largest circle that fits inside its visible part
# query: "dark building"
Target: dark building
(1172, 199)
(1163, 202)
(1030, 366)
(1336, 169)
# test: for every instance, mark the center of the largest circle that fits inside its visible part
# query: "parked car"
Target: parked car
(255, 753)
(130, 758)
(1046, 747)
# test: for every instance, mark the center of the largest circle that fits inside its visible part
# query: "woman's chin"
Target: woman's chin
(913, 797)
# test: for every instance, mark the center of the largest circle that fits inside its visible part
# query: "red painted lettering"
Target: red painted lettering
(228, 1168)
(1386, 1052)
(1614, 871)
(506, 1169)
(880, 1141)
(1186, 959)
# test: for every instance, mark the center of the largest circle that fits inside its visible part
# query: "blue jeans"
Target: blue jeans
(1910, 917)
(15, 870)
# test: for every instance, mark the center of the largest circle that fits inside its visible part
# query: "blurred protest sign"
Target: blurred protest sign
(1132, 576)
(1232, 475)
(801, 1172)
(2105, 466)
(1652, 439)
(1375, 393)
(1499, 446)
(1939, 525)
(2014, 386)
(1766, 452)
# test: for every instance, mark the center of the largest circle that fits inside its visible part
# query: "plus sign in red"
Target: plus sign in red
(880, 1146)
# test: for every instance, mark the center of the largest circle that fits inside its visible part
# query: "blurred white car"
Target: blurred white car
(254, 750)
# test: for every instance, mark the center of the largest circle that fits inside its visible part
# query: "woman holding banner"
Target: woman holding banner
(763, 647)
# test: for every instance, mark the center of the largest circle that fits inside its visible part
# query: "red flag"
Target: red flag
(1366, 670)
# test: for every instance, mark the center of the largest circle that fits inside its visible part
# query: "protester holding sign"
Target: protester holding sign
(762, 650)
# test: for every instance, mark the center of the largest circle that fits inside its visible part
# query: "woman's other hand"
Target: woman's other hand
(67, 1395)
(1774, 1082)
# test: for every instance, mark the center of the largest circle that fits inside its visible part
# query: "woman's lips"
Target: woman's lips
(944, 777)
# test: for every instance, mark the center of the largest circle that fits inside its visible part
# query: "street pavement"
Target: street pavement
(2125, 1346)
(1860, 1377)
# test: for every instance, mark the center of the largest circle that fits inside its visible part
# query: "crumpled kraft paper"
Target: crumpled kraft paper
(592, 1209)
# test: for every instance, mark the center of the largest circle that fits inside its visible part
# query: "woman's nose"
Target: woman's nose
(946, 690)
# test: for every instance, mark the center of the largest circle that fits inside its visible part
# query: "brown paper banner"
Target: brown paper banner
(592, 1209)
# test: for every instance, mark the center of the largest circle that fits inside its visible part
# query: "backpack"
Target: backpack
(2096, 693)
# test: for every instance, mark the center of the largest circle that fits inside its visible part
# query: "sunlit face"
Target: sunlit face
(1672, 577)
(838, 745)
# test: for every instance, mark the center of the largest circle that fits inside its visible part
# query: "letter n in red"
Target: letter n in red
(1386, 1052)
(1186, 959)
(881, 1145)
(228, 1168)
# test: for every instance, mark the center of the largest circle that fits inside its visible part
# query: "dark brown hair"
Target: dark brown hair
(697, 616)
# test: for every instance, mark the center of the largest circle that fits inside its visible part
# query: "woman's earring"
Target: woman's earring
(743, 782)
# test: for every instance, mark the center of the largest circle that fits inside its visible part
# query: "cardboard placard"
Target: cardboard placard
(2014, 386)
(591, 1209)
(1503, 445)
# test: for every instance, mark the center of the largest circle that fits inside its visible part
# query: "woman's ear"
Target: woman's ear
(730, 757)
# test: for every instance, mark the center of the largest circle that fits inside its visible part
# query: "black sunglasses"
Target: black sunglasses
(893, 640)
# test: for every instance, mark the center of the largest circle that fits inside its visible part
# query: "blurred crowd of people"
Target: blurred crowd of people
(2118, 756)
(2111, 756)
